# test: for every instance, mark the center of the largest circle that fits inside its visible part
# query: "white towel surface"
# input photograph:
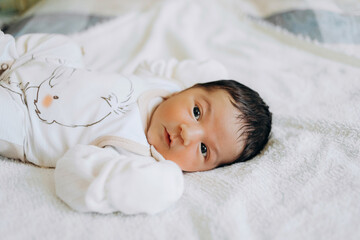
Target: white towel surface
(305, 184)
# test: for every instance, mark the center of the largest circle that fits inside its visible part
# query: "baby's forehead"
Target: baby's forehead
(228, 126)
(234, 146)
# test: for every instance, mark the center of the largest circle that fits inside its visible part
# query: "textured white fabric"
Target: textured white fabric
(186, 72)
(305, 185)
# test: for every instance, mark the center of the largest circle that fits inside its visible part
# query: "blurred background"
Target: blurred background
(10, 9)
(334, 23)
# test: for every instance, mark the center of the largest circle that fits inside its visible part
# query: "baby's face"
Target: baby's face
(197, 129)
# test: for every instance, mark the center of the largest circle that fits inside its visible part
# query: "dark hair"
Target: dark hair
(254, 115)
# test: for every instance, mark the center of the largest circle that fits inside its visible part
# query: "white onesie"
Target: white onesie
(90, 125)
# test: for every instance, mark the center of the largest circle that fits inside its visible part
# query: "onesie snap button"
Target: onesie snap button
(4, 67)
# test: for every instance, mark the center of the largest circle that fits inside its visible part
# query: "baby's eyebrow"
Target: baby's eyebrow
(215, 153)
(214, 150)
(208, 103)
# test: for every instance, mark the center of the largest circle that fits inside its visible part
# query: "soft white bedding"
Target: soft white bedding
(306, 183)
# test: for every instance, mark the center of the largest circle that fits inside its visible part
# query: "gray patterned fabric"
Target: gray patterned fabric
(322, 26)
(66, 23)
(319, 25)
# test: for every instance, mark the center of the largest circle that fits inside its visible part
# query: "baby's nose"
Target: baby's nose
(190, 133)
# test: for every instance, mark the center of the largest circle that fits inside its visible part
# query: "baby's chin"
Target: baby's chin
(185, 167)
(173, 159)
(180, 160)
(179, 164)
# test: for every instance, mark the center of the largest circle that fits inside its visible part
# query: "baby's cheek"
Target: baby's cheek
(186, 160)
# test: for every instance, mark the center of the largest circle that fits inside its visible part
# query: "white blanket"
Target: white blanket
(305, 184)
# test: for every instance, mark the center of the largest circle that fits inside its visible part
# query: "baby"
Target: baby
(121, 142)
(210, 125)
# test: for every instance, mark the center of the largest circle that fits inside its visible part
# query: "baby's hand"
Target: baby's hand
(187, 72)
(191, 71)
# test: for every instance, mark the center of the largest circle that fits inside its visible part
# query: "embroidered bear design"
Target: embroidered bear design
(74, 100)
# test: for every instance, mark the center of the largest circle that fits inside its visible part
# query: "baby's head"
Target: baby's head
(210, 125)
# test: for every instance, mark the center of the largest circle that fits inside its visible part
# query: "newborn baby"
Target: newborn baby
(121, 142)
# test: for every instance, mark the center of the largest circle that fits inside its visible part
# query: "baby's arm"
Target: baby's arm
(50, 47)
(8, 52)
(93, 179)
(186, 73)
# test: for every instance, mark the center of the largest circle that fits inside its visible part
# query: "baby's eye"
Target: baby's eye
(203, 149)
(196, 112)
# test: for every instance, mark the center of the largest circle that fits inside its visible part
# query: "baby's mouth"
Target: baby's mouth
(167, 137)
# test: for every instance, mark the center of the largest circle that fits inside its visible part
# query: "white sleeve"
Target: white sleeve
(8, 52)
(50, 47)
(93, 179)
(186, 73)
